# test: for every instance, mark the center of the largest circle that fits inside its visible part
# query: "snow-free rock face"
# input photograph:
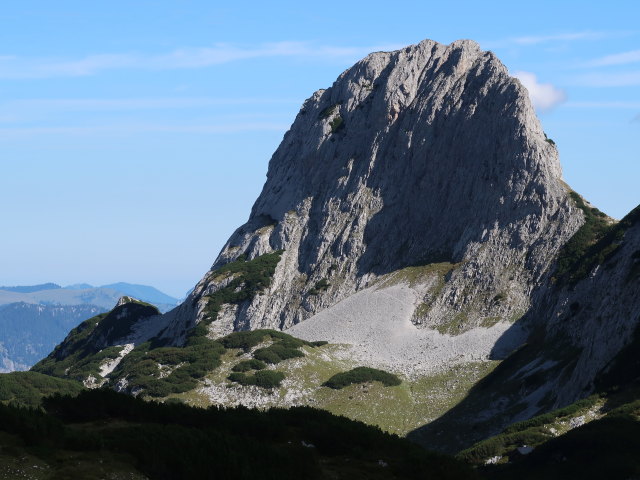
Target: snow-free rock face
(594, 320)
(585, 339)
(427, 155)
(413, 216)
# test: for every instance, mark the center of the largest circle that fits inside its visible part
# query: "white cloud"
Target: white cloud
(616, 59)
(544, 96)
(16, 67)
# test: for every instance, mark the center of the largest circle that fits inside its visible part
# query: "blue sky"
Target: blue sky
(135, 136)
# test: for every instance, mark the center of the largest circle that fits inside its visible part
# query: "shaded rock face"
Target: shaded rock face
(597, 318)
(428, 154)
(585, 339)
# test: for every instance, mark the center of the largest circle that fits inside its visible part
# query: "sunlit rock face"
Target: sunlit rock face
(427, 155)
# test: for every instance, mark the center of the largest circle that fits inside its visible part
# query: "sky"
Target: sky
(135, 136)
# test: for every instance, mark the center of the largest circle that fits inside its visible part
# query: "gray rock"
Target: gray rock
(593, 319)
(431, 153)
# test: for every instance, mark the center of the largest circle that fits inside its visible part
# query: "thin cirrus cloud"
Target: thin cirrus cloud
(533, 40)
(623, 58)
(544, 96)
(117, 104)
(18, 67)
(24, 112)
(538, 39)
(606, 79)
(127, 130)
(613, 105)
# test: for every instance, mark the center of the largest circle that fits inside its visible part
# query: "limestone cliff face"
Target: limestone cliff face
(429, 154)
(593, 321)
(414, 215)
(585, 338)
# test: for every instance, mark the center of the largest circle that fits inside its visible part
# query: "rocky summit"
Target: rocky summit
(427, 156)
(415, 218)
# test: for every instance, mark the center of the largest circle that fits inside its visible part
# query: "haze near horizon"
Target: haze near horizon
(137, 136)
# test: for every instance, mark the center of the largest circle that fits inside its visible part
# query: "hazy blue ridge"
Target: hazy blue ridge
(28, 332)
(105, 297)
(79, 286)
(32, 288)
(142, 292)
(34, 319)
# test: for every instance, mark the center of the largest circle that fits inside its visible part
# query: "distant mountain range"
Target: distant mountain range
(104, 296)
(35, 318)
(29, 331)
(34, 288)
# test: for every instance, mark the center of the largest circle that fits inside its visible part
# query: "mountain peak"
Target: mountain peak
(428, 158)
(127, 299)
(414, 217)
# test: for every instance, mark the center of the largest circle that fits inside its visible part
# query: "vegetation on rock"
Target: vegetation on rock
(603, 448)
(247, 365)
(249, 278)
(594, 242)
(29, 388)
(320, 286)
(532, 432)
(336, 124)
(327, 112)
(76, 356)
(262, 378)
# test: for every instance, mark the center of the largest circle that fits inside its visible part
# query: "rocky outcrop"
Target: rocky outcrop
(595, 319)
(429, 154)
(414, 214)
(584, 339)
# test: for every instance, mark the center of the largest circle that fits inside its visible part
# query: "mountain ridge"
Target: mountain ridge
(35, 318)
(414, 215)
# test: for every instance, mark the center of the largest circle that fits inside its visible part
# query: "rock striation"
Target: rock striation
(414, 214)
(584, 339)
(593, 323)
(427, 155)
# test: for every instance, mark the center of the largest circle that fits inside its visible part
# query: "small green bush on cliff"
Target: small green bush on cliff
(262, 378)
(247, 365)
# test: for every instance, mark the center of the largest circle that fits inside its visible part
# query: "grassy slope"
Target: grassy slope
(396, 409)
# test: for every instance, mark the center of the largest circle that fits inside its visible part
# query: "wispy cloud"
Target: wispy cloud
(613, 105)
(620, 79)
(559, 37)
(27, 112)
(636, 119)
(624, 58)
(108, 104)
(116, 130)
(19, 67)
(544, 96)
